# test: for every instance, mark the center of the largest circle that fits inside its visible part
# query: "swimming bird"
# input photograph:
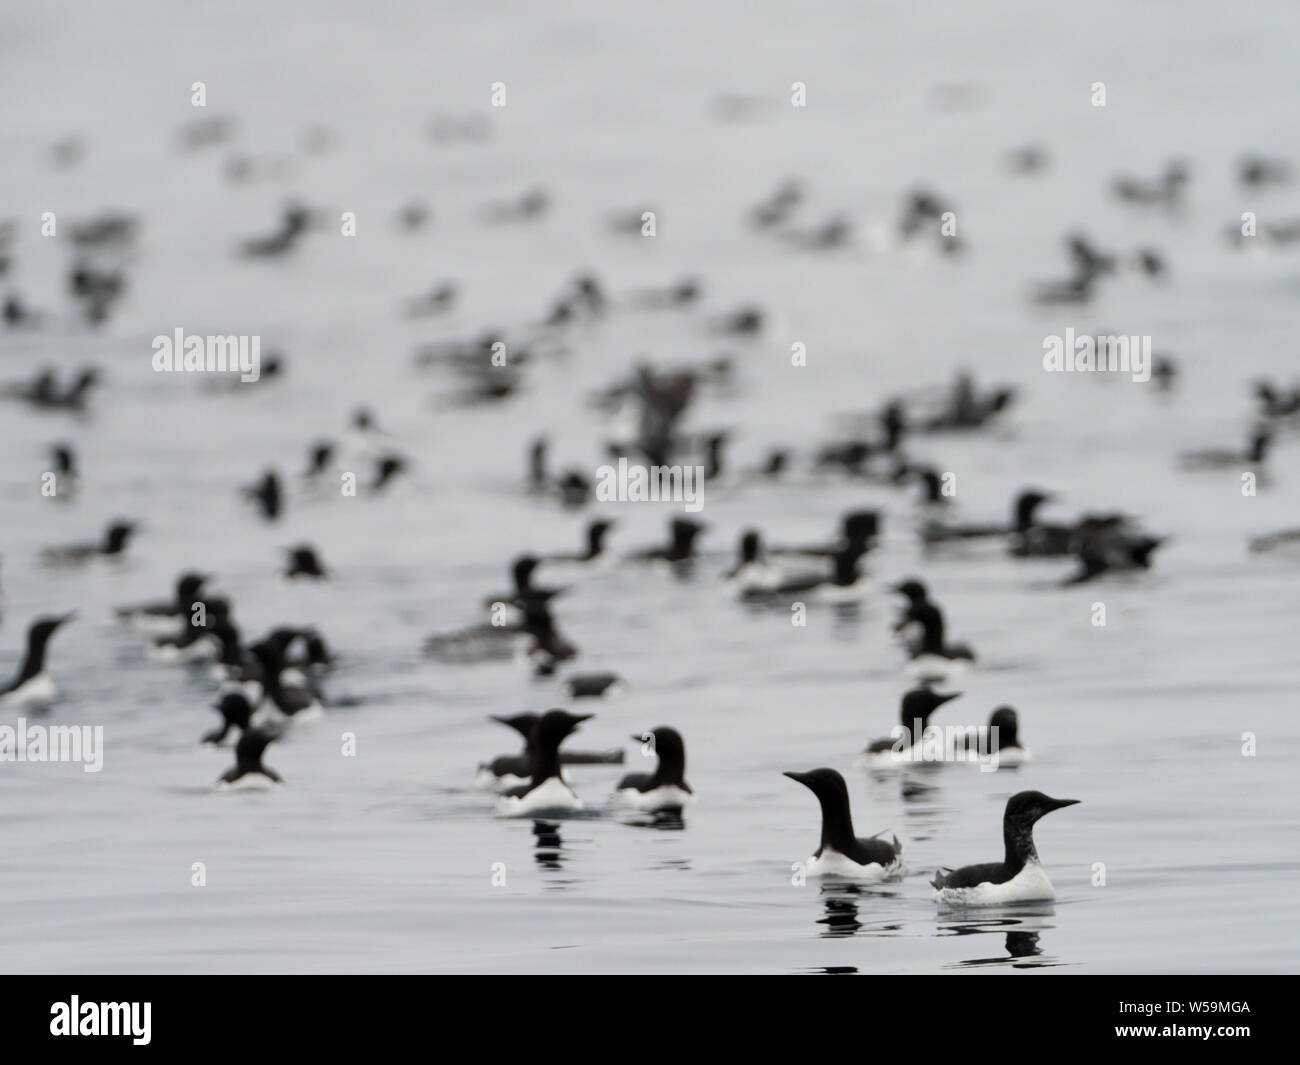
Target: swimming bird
(843, 584)
(267, 494)
(512, 770)
(1166, 190)
(858, 528)
(440, 300)
(1255, 454)
(1003, 739)
(248, 772)
(162, 617)
(32, 686)
(914, 711)
(682, 534)
(1276, 403)
(320, 460)
(968, 408)
(1023, 511)
(752, 571)
(665, 790)
(387, 467)
(196, 640)
(1105, 546)
(304, 562)
(593, 685)
(546, 793)
(1282, 539)
(585, 560)
(65, 471)
(290, 694)
(1019, 877)
(1257, 171)
(931, 655)
(236, 713)
(841, 853)
(294, 221)
(680, 294)
(114, 543)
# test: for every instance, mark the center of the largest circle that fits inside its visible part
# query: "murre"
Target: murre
(841, 853)
(1018, 877)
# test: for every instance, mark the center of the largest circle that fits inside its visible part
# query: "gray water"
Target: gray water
(384, 861)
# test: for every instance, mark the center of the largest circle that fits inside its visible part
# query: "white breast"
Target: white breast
(660, 798)
(248, 782)
(936, 666)
(551, 796)
(833, 863)
(1028, 885)
(1010, 757)
(35, 691)
(756, 577)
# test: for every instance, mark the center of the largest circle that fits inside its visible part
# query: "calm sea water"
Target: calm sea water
(384, 861)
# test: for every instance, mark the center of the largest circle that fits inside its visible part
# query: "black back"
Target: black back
(1022, 811)
(596, 532)
(1005, 721)
(248, 755)
(550, 731)
(837, 823)
(671, 770)
(38, 636)
(116, 537)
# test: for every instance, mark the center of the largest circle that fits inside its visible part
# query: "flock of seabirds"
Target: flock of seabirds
(273, 682)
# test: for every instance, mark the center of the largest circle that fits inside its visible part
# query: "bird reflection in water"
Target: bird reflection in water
(1021, 943)
(665, 819)
(549, 845)
(840, 900)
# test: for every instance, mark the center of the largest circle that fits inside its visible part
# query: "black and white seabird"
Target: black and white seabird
(1166, 190)
(164, 617)
(1254, 455)
(665, 789)
(1105, 546)
(752, 571)
(842, 584)
(288, 691)
(592, 557)
(842, 854)
(1003, 739)
(508, 771)
(387, 468)
(914, 713)
(267, 495)
(511, 770)
(930, 654)
(113, 545)
(680, 549)
(1018, 877)
(197, 639)
(304, 562)
(546, 794)
(593, 685)
(32, 687)
(236, 713)
(248, 772)
(1023, 510)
